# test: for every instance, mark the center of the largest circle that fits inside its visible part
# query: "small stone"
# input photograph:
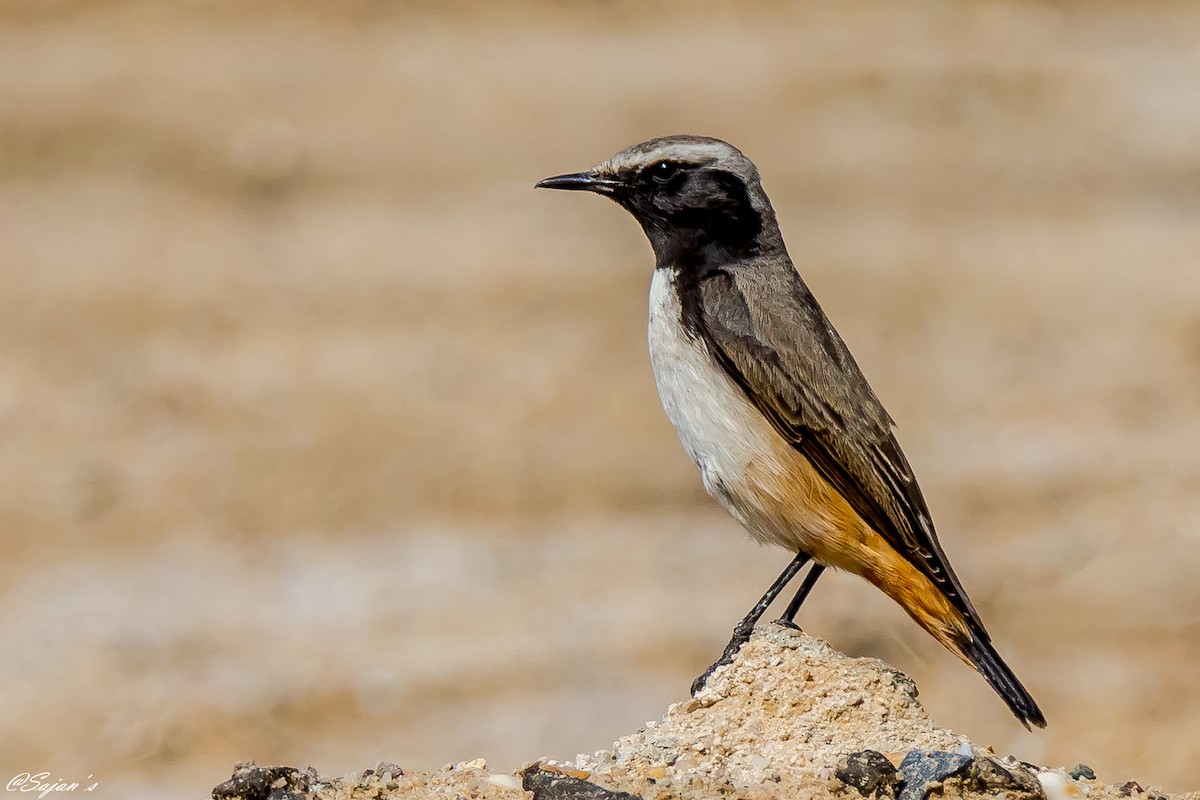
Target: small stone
(988, 776)
(478, 763)
(1129, 787)
(922, 771)
(758, 762)
(547, 785)
(1056, 787)
(504, 781)
(869, 772)
(1083, 772)
(252, 782)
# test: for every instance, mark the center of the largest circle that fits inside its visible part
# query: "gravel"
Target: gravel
(790, 717)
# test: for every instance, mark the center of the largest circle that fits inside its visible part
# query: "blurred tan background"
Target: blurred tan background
(327, 439)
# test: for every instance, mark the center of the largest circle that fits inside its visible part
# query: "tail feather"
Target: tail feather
(982, 654)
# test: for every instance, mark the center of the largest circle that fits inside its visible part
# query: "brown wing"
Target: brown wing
(797, 371)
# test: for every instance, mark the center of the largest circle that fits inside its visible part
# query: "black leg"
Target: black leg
(742, 631)
(810, 580)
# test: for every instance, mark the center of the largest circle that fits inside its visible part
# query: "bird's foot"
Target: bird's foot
(787, 623)
(741, 635)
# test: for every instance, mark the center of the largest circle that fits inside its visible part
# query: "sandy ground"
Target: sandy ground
(327, 439)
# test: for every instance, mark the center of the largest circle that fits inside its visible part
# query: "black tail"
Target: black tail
(983, 655)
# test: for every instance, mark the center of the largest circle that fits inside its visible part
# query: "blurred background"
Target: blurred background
(327, 439)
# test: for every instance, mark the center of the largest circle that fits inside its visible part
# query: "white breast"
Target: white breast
(719, 428)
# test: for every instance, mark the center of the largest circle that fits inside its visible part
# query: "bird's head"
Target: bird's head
(688, 193)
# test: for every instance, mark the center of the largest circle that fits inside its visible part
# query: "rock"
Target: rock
(988, 776)
(790, 717)
(1083, 772)
(505, 781)
(547, 785)
(922, 771)
(870, 772)
(1056, 787)
(252, 782)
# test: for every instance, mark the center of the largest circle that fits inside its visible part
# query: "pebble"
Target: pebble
(868, 771)
(505, 781)
(923, 770)
(1058, 787)
(987, 775)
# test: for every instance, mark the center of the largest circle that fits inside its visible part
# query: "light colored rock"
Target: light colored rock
(775, 723)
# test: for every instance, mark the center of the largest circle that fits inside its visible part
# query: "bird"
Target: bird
(769, 403)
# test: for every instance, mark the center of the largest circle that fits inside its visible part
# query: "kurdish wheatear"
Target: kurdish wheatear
(770, 405)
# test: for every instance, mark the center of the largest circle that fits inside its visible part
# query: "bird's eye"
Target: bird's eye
(663, 171)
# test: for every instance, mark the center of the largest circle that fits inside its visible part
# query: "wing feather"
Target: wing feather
(799, 373)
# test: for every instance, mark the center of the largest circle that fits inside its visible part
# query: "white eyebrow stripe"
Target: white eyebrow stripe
(691, 152)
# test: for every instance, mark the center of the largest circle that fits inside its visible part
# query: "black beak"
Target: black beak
(580, 182)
